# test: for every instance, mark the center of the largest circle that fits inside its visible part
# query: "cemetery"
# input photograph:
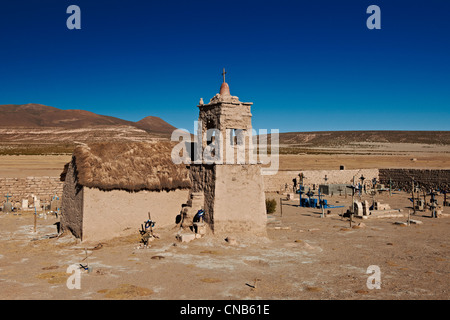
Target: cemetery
(121, 210)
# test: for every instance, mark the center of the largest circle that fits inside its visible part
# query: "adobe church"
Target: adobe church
(230, 189)
(110, 187)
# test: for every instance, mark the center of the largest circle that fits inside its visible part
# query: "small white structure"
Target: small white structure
(358, 208)
(24, 204)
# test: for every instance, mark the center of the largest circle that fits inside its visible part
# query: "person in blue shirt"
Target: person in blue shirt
(200, 215)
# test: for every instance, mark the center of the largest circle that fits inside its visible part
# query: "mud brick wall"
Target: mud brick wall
(402, 178)
(22, 188)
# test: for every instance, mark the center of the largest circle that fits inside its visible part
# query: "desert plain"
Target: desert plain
(303, 256)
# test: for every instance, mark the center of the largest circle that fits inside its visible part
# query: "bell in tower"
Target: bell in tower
(227, 177)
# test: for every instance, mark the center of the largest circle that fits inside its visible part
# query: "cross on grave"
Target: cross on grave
(445, 197)
(374, 181)
(353, 187)
(433, 203)
(301, 176)
(7, 207)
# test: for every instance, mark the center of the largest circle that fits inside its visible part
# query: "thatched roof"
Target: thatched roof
(131, 166)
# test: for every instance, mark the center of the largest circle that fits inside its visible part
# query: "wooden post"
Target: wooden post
(150, 218)
(424, 200)
(281, 206)
(390, 187)
(353, 196)
(35, 219)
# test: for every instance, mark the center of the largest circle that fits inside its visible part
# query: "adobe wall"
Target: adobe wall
(109, 214)
(239, 204)
(277, 182)
(402, 178)
(203, 180)
(72, 203)
(22, 188)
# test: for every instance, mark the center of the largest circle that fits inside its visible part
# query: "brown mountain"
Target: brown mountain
(41, 116)
(154, 124)
(337, 138)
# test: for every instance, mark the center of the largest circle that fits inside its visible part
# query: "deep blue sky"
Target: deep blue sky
(306, 65)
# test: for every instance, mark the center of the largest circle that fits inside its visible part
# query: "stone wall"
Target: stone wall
(45, 188)
(203, 180)
(402, 178)
(72, 203)
(277, 182)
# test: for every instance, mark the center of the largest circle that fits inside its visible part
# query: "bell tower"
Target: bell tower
(227, 177)
(226, 126)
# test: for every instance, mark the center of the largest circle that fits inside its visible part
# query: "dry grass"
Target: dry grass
(314, 289)
(36, 149)
(391, 263)
(133, 238)
(56, 277)
(362, 291)
(130, 166)
(126, 291)
(210, 280)
(210, 252)
(50, 268)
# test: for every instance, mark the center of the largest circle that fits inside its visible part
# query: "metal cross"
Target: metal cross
(7, 197)
(223, 74)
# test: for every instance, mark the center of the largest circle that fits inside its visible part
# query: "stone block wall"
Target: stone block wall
(45, 188)
(402, 178)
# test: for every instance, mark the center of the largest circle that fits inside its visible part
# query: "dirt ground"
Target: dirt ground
(32, 166)
(52, 165)
(303, 256)
(355, 161)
